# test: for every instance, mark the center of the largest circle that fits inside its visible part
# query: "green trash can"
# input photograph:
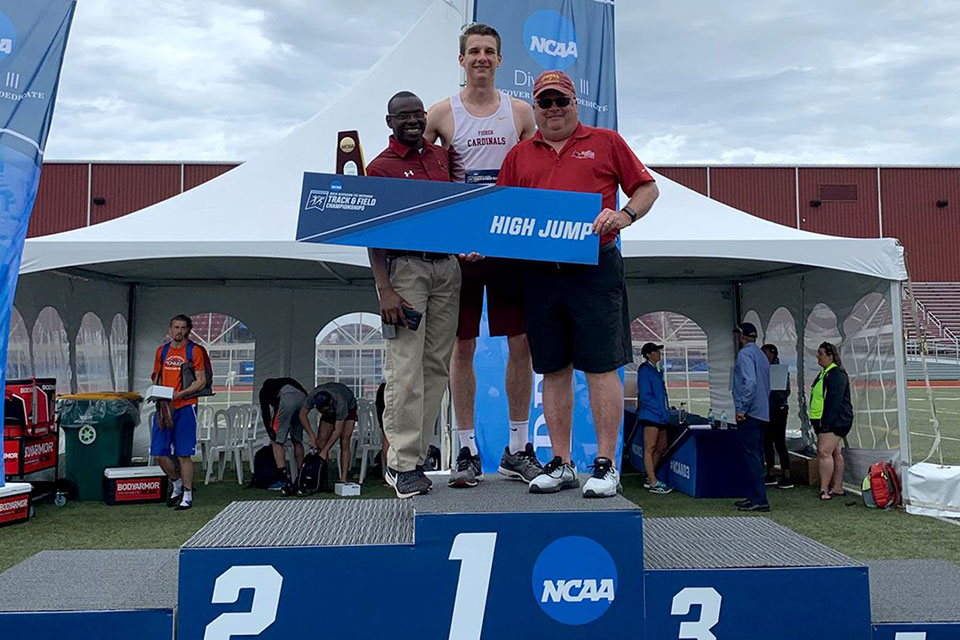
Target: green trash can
(98, 430)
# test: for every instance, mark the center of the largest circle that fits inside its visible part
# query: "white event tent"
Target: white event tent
(228, 246)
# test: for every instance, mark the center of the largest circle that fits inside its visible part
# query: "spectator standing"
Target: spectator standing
(751, 398)
(175, 424)
(653, 412)
(831, 415)
(775, 437)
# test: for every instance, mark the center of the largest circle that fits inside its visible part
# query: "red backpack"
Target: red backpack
(881, 487)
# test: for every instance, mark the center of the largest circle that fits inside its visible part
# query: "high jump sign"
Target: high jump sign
(446, 217)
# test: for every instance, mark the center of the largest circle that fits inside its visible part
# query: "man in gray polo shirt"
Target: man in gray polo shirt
(337, 406)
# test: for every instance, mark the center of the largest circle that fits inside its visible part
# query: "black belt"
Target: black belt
(422, 255)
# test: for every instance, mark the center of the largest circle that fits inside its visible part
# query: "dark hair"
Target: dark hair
(772, 348)
(478, 29)
(397, 96)
(831, 350)
(182, 318)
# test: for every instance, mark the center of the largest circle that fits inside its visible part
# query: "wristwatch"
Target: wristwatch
(630, 212)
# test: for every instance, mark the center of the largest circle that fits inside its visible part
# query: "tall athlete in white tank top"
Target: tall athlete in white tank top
(480, 125)
(482, 142)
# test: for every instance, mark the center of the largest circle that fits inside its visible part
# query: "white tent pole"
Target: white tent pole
(899, 354)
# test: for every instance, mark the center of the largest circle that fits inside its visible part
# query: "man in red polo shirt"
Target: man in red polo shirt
(577, 315)
(416, 364)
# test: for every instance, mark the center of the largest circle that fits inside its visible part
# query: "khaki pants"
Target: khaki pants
(417, 363)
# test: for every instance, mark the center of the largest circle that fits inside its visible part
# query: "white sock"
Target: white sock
(177, 486)
(468, 440)
(519, 435)
(187, 497)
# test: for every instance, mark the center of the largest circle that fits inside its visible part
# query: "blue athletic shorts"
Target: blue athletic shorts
(181, 440)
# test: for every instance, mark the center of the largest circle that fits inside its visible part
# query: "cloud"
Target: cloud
(699, 81)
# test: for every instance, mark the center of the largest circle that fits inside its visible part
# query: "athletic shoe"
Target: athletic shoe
(520, 466)
(661, 487)
(467, 472)
(421, 470)
(605, 481)
(183, 506)
(784, 483)
(277, 486)
(407, 483)
(754, 507)
(174, 499)
(555, 476)
(741, 503)
(770, 480)
(646, 484)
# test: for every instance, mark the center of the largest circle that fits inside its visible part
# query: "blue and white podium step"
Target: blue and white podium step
(915, 599)
(90, 595)
(492, 562)
(748, 577)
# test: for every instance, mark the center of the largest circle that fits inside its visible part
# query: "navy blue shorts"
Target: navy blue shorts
(180, 441)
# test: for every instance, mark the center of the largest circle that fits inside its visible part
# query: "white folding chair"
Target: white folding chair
(217, 444)
(250, 434)
(236, 431)
(369, 438)
(204, 431)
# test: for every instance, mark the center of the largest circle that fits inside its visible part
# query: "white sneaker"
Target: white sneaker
(555, 476)
(605, 481)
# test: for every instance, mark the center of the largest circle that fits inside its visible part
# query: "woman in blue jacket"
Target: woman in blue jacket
(653, 412)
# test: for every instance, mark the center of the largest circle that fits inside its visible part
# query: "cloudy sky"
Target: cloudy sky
(781, 81)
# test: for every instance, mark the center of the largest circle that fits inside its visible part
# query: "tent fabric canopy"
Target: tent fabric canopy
(691, 254)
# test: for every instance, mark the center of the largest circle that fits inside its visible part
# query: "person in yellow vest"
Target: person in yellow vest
(831, 414)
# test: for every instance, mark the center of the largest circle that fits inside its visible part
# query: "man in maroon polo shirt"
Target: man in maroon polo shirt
(416, 364)
(577, 315)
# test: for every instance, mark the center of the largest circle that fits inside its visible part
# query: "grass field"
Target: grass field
(844, 524)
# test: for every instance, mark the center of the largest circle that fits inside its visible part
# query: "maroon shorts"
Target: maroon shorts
(505, 297)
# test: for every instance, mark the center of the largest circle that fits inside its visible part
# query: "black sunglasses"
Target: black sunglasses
(546, 103)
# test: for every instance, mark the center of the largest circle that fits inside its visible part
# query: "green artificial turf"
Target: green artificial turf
(855, 530)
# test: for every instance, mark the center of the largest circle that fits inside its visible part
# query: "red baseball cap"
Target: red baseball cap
(556, 80)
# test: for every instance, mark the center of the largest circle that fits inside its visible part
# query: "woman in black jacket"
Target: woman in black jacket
(831, 414)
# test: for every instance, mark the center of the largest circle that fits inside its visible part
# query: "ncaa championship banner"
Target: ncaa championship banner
(33, 36)
(447, 217)
(573, 36)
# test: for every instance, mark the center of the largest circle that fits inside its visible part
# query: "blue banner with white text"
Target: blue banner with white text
(573, 36)
(449, 217)
(33, 37)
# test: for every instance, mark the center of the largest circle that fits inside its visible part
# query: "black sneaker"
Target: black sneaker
(174, 499)
(741, 503)
(754, 507)
(423, 474)
(770, 480)
(522, 465)
(184, 506)
(407, 483)
(784, 483)
(467, 472)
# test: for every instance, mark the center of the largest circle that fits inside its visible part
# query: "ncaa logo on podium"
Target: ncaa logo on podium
(574, 580)
(551, 40)
(8, 36)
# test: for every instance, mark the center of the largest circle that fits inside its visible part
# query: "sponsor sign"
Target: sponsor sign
(574, 580)
(39, 454)
(14, 508)
(445, 217)
(573, 36)
(137, 489)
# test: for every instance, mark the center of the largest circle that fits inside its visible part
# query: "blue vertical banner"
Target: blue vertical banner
(33, 37)
(573, 36)
(576, 37)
